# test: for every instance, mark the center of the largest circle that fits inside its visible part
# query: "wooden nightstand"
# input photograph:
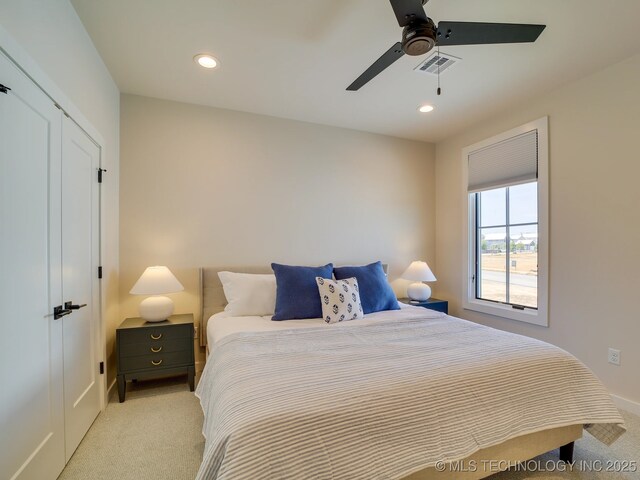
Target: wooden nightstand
(432, 304)
(146, 350)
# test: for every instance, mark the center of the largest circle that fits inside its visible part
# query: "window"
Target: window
(506, 246)
(506, 236)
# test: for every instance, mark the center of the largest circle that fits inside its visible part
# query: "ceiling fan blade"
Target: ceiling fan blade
(476, 33)
(408, 11)
(387, 58)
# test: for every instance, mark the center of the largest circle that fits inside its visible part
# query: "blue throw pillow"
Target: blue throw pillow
(297, 291)
(375, 292)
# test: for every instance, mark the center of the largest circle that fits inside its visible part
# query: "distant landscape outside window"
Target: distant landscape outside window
(507, 245)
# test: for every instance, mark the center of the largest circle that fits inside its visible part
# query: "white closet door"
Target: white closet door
(31, 373)
(80, 243)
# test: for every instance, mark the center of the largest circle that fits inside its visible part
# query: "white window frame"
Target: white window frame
(537, 316)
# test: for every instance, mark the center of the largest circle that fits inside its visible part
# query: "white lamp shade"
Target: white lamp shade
(156, 281)
(419, 272)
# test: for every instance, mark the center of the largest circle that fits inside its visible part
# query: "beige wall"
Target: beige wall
(594, 220)
(51, 34)
(203, 186)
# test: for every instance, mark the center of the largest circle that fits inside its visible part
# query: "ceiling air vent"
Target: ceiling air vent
(442, 60)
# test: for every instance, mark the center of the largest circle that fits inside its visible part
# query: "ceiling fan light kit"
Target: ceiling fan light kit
(420, 35)
(419, 38)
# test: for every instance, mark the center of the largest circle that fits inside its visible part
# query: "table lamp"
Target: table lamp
(419, 272)
(156, 281)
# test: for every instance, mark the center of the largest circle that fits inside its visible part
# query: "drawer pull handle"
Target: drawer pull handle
(156, 350)
(153, 337)
(156, 363)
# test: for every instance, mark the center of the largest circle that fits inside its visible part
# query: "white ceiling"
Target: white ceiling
(294, 58)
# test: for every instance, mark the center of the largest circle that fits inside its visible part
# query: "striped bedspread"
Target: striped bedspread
(385, 399)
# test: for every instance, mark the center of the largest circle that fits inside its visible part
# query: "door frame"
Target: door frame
(24, 62)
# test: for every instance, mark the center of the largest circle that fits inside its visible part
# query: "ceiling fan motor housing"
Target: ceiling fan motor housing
(419, 37)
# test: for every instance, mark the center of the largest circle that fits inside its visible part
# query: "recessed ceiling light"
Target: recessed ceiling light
(206, 61)
(425, 108)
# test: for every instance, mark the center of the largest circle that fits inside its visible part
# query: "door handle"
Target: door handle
(71, 306)
(59, 312)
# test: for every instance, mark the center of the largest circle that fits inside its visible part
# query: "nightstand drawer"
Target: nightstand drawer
(154, 334)
(155, 346)
(156, 360)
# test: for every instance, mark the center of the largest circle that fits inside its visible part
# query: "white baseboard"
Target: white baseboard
(625, 404)
(199, 367)
(110, 389)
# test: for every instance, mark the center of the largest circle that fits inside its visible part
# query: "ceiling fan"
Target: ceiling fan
(420, 34)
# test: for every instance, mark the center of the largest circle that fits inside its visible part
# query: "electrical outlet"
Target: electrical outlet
(614, 356)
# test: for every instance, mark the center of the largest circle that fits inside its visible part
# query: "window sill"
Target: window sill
(535, 317)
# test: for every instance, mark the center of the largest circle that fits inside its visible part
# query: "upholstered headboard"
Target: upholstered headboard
(212, 296)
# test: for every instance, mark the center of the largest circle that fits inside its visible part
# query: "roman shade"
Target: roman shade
(509, 162)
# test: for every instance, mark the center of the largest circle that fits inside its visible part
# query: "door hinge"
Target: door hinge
(4, 89)
(100, 170)
(99, 272)
(101, 368)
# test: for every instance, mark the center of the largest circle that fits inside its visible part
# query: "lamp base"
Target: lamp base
(419, 291)
(156, 308)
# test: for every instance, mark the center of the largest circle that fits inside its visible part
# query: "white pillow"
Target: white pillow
(340, 299)
(249, 294)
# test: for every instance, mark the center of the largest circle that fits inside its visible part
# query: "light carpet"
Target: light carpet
(156, 434)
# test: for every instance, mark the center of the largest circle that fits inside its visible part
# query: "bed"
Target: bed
(409, 394)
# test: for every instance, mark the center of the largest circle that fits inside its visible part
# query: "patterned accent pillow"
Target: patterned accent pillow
(340, 299)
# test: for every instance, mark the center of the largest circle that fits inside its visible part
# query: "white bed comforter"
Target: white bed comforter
(385, 398)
